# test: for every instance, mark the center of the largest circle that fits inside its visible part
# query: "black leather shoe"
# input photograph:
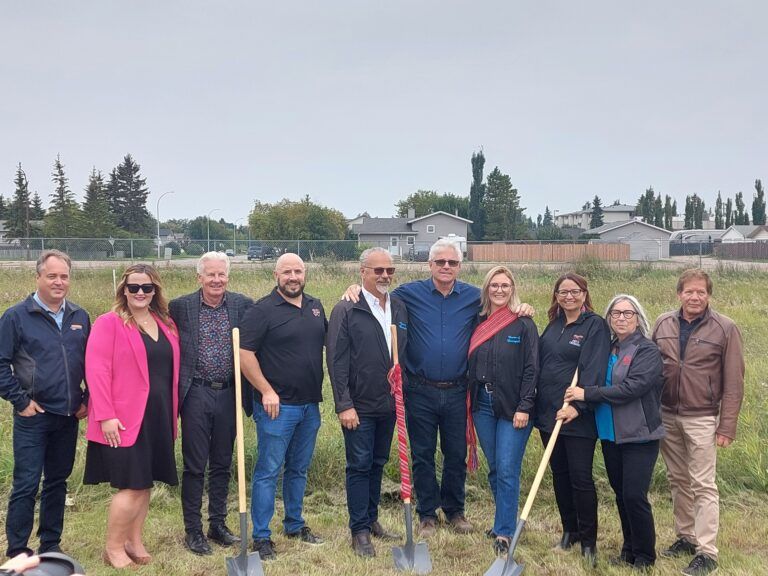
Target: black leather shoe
(307, 536)
(265, 548)
(197, 543)
(590, 555)
(567, 541)
(378, 531)
(222, 535)
(361, 544)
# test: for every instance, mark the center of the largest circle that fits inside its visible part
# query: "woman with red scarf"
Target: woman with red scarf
(503, 366)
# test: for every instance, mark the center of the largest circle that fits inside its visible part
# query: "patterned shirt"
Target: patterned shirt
(214, 360)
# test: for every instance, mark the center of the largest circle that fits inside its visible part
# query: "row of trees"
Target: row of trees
(115, 207)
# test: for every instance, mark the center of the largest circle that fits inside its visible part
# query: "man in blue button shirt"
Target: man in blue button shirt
(42, 362)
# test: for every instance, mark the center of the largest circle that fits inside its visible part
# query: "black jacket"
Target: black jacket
(358, 359)
(185, 311)
(516, 367)
(584, 343)
(635, 391)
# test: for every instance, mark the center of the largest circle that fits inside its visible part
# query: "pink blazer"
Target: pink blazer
(117, 375)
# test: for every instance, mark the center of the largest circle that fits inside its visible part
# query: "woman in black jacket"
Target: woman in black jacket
(575, 337)
(503, 363)
(629, 424)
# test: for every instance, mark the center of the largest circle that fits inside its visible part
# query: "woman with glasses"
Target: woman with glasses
(132, 370)
(503, 364)
(575, 337)
(629, 424)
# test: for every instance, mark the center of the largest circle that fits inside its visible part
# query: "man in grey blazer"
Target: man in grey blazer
(205, 320)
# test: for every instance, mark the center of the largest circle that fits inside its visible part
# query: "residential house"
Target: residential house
(646, 241)
(581, 218)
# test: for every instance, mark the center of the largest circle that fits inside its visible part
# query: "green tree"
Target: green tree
(719, 216)
(477, 197)
(302, 220)
(596, 219)
(758, 204)
(688, 225)
(36, 210)
(658, 212)
(741, 214)
(97, 219)
(504, 216)
(729, 215)
(547, 221)
(698, 212)
(63, 217)
(645, 206)
(18, 222)
(3, 208)
(669, 212)
(425, 202)
(127, 194)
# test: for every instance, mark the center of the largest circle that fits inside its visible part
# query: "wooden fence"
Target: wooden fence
(742, 250)
(546, 252)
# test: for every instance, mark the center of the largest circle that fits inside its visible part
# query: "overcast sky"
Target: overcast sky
(359, 103)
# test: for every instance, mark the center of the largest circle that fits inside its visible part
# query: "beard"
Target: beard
(382, 289)
(291, 290)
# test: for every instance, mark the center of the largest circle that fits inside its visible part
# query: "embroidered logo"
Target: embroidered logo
(316, 312)
(76, 327)
(513, 339)
(402, 325)
(576, 340)
(626, 360)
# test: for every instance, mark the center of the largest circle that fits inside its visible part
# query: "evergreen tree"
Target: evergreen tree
(698, 212)
(758, 204)
(719, 217)
(132, 193)
(3, 208)
(729, 215)
(597, 213)
(97, 220)
(539, 220)
(36, 211)
(645, 206)
(17, 224)
(669, 212)
(688, 224)
(658, 212)
(504, 216)
(547, 221)
(477, 197)
(115, 201)
(741, 214)
(63, 218)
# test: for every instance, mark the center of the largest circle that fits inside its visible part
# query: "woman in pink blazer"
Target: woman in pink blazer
(132, 370)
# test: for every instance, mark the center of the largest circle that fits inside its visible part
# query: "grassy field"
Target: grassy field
(742, 470)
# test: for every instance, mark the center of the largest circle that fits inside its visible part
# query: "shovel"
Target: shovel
(410, 557)
(507, 566)
(243, 564)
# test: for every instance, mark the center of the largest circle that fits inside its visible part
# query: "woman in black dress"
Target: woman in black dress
(132, 369)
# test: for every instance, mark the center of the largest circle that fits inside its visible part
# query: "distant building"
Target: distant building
(581, 218)
(646, 241)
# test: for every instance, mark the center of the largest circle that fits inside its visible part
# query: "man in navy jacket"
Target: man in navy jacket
(42, 364)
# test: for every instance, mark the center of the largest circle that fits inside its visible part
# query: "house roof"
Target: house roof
(620, 208)
(383, 226)
(749, 230)
(613, 225)
(439, 212)
(699, 235)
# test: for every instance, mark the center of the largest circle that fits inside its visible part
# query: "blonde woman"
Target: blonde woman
(132, 370)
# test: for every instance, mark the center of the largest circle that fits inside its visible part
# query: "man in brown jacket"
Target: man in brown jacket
(703, 391)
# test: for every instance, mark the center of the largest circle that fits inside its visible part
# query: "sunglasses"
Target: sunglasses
(442, 262)
(379, 270)
(146, 288)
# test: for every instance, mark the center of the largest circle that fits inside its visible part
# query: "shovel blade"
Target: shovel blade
(245, 565)
(505, 567)
(413, 558)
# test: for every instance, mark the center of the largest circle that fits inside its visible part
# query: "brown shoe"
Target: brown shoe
(460, 524)
(427, 527)
(361, 544)
(378, 531)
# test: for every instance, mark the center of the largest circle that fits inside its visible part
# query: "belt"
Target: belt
(211, 384)
(441, 384)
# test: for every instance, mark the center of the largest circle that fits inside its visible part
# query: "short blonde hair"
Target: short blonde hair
(485, 301)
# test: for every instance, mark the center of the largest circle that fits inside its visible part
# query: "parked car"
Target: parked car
(229, 252)
(260, 252)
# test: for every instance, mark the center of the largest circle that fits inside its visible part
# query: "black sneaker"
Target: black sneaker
(305, 535)
(197, 543)
(265, 548)
(700, 566)
(501, 546)
(680, 548)
(222, 535)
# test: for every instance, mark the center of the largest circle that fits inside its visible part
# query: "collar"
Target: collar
(695, 320)
(372, 299)
(455, 288)
(277, 298)
(203, 303)
(45, 307)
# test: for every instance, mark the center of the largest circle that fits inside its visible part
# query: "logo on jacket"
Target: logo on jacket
(316, 312)
(402, 325)
(513, 339)
(576, 340)
(627, 360)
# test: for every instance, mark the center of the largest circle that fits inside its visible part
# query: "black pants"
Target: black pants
(207, 438)
(571, 466)
(629, 468)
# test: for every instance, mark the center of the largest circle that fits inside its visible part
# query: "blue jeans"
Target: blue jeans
(430, 411)
(43, 446)
(288, 443)
(367, 449)
(504, 448)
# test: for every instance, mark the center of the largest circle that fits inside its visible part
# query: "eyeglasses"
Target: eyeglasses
(575, 292)
(146, 288)
(628, 314)
(442, 262)
(379, 270)
(500, 287)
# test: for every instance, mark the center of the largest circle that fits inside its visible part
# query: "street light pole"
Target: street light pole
(209, 228)
(157, 213)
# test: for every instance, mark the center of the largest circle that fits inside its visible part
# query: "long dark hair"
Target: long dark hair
(159, 304)
(581, 282)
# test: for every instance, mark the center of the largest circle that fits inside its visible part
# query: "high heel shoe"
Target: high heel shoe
(107, 561)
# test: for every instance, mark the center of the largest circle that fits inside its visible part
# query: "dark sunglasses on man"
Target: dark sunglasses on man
(379, 270)
(442, 262)
(146, 288)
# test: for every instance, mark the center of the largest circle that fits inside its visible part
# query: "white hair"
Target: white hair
(445, 243)
(375, 250)
(642, 319)
(219, 256)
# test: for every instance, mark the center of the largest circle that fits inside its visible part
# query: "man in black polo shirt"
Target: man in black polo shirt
(281, 352)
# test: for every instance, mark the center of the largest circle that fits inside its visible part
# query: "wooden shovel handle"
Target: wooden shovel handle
(239, 423)
(393, 329)
(545, 459)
